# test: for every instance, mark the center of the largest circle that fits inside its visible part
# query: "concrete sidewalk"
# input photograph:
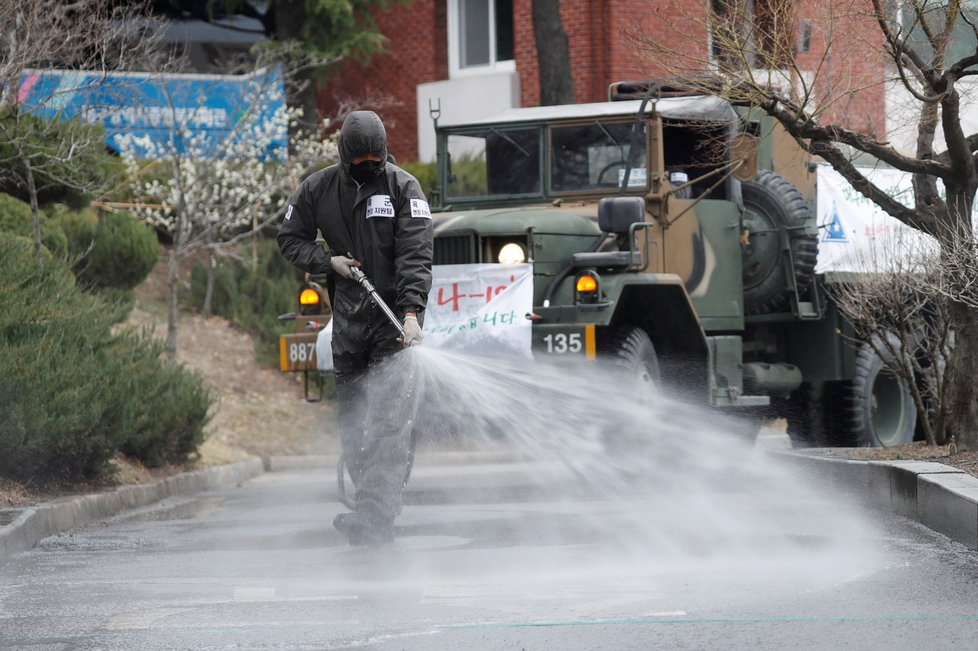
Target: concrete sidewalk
(940, 497)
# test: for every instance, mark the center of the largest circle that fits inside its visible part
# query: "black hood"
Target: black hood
(362, 133)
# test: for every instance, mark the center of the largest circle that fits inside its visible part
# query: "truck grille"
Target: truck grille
(455, 249)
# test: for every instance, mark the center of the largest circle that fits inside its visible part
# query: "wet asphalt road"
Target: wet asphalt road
(504, 556)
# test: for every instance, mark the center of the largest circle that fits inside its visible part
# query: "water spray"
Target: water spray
(415, 396)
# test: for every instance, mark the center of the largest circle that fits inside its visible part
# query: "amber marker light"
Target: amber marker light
(309, 297)
(586, 284)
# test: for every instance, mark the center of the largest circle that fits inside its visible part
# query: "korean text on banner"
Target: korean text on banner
(480, 308)
(857, 235)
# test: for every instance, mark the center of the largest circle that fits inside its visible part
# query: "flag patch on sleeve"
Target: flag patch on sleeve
(420, 209)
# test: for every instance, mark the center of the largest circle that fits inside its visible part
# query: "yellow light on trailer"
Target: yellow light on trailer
(309, 297)
(586, 284)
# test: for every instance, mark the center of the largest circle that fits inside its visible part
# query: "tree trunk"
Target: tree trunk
(254, 240)
(290, 15)
(172, 279)
(8, 93)
(963, 412)
(211, 273)
(553, 57)
(35, 214)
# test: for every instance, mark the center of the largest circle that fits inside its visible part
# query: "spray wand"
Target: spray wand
(368, 287)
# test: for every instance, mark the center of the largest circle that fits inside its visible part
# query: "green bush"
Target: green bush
(78, 226)
(252, 300)
(166, 425)
(74, 394)
(123, 253)
(15, 217)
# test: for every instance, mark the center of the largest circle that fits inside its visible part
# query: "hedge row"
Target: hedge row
(73, 393)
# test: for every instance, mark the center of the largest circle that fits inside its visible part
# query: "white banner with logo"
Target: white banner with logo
(857, 235)
(480, 308)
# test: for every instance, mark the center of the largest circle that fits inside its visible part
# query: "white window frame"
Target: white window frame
(455, 69)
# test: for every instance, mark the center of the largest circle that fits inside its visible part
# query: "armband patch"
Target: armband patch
(420, 209)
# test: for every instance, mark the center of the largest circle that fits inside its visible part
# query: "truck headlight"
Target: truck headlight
(512, 253)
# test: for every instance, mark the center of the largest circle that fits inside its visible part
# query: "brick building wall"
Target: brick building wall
(851, 86)
(417, 53)
(605, 43)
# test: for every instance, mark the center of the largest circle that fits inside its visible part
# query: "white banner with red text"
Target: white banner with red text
(479, 308)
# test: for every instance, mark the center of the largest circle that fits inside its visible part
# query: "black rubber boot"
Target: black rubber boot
(363, 530)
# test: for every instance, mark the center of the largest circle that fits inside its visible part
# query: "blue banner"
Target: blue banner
(187, 114)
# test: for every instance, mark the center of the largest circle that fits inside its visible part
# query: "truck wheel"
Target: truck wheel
(633, 352)
(771, 204)
(626, 441)
(880, 406)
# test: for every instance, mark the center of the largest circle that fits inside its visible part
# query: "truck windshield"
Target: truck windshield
(494, 161)
(593, 156)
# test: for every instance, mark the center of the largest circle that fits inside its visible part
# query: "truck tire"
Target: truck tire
(771, 204)
(879, 404)
(633, 352)
(625, 441)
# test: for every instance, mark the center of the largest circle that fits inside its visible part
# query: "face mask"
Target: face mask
(364, 171)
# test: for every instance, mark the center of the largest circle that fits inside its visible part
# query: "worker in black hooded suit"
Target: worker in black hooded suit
(373, 215)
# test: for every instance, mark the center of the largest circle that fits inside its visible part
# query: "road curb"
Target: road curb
(937, 496)
(22, 528)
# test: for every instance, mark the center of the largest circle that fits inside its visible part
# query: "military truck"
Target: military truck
(676, 236)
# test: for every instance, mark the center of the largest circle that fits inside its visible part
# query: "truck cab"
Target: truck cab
(633, 216)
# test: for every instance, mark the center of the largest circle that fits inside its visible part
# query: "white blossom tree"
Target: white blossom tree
(207, 191)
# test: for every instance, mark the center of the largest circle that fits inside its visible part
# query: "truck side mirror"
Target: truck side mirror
(617, 214)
